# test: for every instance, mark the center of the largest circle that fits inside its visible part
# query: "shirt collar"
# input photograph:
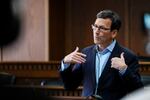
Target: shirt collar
(108, 48)
(111, 46)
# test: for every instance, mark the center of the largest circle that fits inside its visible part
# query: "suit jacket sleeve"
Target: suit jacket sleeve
(72, 76)
(132, 77)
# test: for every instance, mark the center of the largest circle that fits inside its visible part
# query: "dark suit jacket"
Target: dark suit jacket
(112, 85)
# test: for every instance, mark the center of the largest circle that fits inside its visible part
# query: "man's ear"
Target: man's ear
(114, 33)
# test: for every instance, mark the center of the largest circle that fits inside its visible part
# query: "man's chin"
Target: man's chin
(97, 42)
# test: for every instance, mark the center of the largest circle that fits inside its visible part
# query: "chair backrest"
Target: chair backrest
(6, 78)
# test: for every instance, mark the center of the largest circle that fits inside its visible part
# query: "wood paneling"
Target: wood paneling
(31, 69)
(32, 73)
(50, 29)
(56, 29)
(52, 92)
(138, 37)
(32, 42)
(70, 24)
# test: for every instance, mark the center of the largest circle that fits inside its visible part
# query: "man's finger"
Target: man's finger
(81, 54)
(79, 59)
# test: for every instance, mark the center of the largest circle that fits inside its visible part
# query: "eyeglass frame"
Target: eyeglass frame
(100, 28)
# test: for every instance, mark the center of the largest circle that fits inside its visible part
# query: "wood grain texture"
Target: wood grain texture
(32, 43)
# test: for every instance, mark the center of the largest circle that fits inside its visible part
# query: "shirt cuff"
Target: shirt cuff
(64, 66)
(123, 71)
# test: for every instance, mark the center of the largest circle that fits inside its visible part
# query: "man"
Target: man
(105, 68)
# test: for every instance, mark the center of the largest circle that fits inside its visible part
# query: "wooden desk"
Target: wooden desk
(73, 98)
(68, 98)
(25, 92)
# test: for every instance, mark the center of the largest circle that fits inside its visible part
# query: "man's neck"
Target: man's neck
(101, 47)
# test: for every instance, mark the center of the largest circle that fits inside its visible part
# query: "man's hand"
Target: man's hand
(75, 57)
(118, 63)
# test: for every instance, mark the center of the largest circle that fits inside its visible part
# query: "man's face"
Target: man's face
(102, 32)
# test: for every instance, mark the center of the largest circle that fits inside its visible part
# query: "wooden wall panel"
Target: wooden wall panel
(138, 38)
(56, 29)
(0, 54)
(71, 21)
(32, 43)
(84, 14)
(46, 37)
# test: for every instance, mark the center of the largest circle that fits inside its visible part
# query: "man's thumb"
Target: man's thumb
(77, 49)
(122, 55)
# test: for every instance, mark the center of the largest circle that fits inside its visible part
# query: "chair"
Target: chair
(6, 79)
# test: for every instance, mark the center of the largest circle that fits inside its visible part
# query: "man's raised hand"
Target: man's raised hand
(75, 57)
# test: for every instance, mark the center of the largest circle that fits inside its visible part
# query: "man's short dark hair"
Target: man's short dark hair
(113, 16)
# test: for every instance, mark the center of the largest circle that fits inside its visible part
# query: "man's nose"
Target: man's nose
(97, 32)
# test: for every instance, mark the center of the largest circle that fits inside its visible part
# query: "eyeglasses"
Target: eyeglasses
(100, 28)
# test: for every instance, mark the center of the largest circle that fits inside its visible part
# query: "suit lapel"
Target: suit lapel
(93, 57)
(114, 53)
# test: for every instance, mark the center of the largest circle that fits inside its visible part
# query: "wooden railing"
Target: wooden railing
(43, 90)
(31, 69)
(46, 69)
(33, 73)
(36, 72)
(144, 68)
